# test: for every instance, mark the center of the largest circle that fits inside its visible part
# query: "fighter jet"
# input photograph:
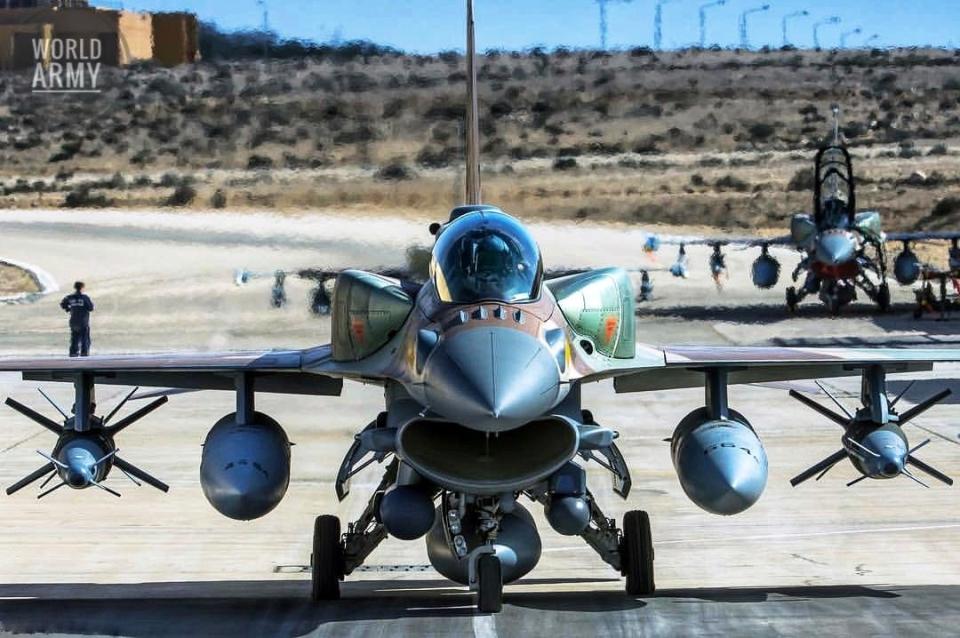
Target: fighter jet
(843, 249)
(482, 370)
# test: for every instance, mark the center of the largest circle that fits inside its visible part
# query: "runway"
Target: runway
(430, 608)
(875, 559)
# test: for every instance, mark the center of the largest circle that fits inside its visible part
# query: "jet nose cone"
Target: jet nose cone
(491, 378)
(835, 248)
(733, 480)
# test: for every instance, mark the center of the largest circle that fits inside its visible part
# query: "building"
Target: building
(35, 31)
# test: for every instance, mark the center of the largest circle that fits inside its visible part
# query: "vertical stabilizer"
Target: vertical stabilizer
(472, 181)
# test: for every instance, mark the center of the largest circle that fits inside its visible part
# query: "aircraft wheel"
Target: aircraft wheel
(834, 307)
(792, 299)
(326, 562)
(636, 553)
(883, 297)
(489, 584)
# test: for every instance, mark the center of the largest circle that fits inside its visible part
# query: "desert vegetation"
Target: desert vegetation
(15, 280)
(705, 136)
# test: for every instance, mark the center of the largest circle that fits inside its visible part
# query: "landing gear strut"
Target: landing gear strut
(336, 555)
(629, 551)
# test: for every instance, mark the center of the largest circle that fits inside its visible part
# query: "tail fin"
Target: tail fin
(472, 181)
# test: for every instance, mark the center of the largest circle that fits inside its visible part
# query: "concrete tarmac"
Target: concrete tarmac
(875, 559)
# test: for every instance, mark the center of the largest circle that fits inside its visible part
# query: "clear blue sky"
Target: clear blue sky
(432, 25)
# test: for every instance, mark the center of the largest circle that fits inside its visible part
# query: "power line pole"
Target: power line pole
(265, 28)
(703, 19)
(603, 24)
(744, 40)
(846, 34)
(816, 29)
(602, 4)
(783, 23)
(658, 24)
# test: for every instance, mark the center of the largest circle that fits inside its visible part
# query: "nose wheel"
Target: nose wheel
(636, 553)
(326, 561)
(792, 299)
(489, 584)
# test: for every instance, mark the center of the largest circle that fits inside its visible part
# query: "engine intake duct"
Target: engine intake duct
(464, 459)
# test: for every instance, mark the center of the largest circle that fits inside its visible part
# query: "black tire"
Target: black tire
(792, 299)
(636, 554)
(489, 584)
(883, 297)
(326, 562)
(835, 307)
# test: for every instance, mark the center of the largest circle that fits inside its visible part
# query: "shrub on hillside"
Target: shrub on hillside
(182, 195)
(946, 207)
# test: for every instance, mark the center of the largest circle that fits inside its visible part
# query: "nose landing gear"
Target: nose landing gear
(489, 584)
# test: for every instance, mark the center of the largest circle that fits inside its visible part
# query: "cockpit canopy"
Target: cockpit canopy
(834, 199)
(486, 255)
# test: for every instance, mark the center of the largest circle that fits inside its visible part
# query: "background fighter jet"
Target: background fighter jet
(482, 372)
(844, 250)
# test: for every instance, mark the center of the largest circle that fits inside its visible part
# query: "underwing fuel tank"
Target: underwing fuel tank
(721, 463)
(245, 469)
(907, 267)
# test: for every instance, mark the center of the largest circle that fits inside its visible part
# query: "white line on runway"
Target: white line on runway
(759, 537)
(484, 626)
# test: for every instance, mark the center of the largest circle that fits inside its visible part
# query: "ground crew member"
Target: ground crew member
(79, 306)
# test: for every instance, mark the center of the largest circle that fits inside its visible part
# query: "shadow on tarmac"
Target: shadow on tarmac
(283, 608)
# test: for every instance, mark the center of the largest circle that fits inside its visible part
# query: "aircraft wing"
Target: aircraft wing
(745, 241)
(683, 366)
(923, 235)
(286, 371)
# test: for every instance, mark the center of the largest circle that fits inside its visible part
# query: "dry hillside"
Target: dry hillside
(707, 137)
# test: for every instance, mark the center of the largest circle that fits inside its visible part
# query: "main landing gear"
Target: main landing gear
(336, 555)
(326, 561)
(636, 554)
(629, 551)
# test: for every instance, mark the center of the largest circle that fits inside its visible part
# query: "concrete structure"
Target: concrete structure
(28, 29)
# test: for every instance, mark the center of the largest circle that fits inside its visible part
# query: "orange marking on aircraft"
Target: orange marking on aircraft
(610, 327)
